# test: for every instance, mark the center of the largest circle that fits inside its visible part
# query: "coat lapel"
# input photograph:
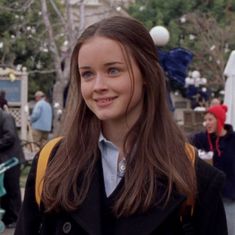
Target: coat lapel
(88, 216)
(146, 223)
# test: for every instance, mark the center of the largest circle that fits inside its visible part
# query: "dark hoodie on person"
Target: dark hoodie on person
(224, 159)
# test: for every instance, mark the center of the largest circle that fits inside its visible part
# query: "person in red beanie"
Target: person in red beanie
(219, 139)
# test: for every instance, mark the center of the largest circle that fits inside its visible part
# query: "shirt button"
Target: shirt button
(67, 227)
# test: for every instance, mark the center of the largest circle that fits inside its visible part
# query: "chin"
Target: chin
(108, 117)
(211, 131)
(103, 117)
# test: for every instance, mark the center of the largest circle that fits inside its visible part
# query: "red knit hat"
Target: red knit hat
(219, 111)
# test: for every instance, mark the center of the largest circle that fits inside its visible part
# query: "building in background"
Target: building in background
(86, 12)
(15, 85)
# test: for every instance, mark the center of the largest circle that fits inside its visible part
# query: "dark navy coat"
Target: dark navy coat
(209, 216)
(9, 140)
(10, 147)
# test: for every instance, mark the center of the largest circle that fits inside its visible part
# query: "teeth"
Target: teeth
(104, 100)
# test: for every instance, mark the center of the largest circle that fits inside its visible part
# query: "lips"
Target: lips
(209, 129)
(104, 101)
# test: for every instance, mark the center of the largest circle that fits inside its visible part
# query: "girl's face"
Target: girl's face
(210, 123)
(106, 84)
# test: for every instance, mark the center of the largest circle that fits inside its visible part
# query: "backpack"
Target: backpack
(186, 210)
(42, 165)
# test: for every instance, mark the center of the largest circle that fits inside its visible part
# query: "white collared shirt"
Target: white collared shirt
(109, 156)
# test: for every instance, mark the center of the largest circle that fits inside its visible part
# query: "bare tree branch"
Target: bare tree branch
(70, 23)
(52, 43)
(210, 45)
(82, 16)
(26, 5)
(58, 12)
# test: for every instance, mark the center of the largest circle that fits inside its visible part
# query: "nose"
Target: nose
(206, 123)
(100, 83)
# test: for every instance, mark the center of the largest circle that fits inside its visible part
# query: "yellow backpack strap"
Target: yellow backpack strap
(191, 153)
(42, 165)
(188, 206)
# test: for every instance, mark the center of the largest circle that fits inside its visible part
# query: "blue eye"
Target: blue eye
(113, 71)
(86, 75)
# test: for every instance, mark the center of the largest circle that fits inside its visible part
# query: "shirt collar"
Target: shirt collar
(103, 141)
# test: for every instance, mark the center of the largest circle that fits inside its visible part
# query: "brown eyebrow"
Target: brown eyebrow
(113, 63)
(84, 67)
(106, 64)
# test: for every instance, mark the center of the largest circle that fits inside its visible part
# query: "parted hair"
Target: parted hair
(156, 150)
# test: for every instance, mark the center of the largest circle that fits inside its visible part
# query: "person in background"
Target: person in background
(3, 101)
(219, 138)
(10, 147)
(41, 119)
(121, 167)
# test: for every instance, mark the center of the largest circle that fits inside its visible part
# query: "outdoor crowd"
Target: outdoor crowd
(123, 165)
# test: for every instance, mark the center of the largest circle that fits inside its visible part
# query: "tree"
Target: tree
(22, 36)
(204, 27)
(61, 55)
(41, 37)
(210, 42)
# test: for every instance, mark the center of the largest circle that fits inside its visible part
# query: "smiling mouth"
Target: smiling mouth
(104, 101)
(209, 128)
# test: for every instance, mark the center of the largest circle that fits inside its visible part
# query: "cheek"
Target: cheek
(214, 125)
(138, 95)
(84, 91)
(140, 90)
(86, 97)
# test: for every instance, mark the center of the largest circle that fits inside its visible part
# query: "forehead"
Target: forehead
(210, 115)
(98, 47)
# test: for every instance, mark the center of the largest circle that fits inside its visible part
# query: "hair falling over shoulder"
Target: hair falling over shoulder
(157, 144)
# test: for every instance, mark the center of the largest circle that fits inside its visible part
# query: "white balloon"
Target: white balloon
(196, 74)
(160, 35)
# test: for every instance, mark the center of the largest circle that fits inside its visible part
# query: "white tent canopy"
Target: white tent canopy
(229, 91)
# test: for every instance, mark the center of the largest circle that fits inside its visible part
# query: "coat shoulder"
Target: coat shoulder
(209, 206)
(208, 175)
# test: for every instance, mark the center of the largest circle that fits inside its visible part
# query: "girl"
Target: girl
(121, 167)
(219, 139)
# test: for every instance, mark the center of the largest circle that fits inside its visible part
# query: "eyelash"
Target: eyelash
(116, 70)
(111, 71)
(86, 74)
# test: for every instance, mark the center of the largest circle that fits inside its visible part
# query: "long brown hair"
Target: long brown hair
(156, 142)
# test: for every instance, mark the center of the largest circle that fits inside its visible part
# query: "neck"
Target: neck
(116, 134)
(115, 130)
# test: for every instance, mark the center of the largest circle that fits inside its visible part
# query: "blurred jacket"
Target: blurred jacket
(9, 140)
(41, 117)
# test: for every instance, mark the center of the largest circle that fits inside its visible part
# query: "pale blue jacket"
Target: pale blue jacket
(41, 118)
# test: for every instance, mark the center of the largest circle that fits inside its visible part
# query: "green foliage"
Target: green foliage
(162, 12)
(159, 12)
(6, 19)
(197, 25)
(25, 42)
